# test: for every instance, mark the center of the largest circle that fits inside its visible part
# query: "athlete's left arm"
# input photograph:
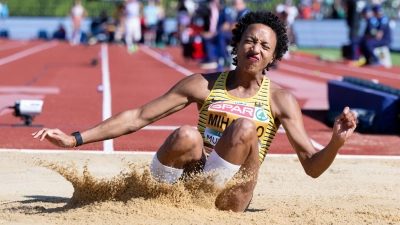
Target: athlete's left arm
(314, 162)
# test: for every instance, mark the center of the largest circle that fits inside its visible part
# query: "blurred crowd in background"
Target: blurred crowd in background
(204, 26)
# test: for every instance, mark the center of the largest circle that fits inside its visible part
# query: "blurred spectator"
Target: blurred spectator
(1, 19)
(190, 6)
(398, 12)
(225, 34)
(160, 25)
(151, 15)
(3, 10)
(119, 20)
(190, 38)
(228, 17)
(77, 13)
(381, 36)
(99, 24)
(306, 9)
(353, 10)
(337, 10)
(370, 28)
(60, 34)
(288, 12)
(317, 10)
(100, 29)
(133, 31)
(184, 19)
(215, 46)
(372, 23)
(209, 35)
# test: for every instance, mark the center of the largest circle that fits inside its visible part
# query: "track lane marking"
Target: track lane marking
(11, 45)
(363, 70)
(108, 145)
(167, 62)
(308, 72)
(27, 52)
(270, 155)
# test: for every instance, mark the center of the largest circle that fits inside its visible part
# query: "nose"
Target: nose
(256, 48)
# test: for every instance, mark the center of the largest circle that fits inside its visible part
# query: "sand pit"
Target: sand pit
(78, 188)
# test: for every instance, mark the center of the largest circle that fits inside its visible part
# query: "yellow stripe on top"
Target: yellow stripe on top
(225, 108)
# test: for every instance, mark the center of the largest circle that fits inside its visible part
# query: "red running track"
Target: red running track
(64, 78)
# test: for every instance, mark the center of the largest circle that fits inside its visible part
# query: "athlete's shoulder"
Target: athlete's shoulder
(281, 97)
(274, 87)
(196, 86)
(199, 77)
(196, 82)
(203, 78)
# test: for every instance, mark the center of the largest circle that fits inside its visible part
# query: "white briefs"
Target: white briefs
(216, 167)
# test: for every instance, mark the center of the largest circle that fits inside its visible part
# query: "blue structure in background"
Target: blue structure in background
(385, 105)
(25, 28)
(332, 33)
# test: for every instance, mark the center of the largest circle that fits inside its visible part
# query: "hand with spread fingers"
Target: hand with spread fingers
(345, 124)
(56, 137)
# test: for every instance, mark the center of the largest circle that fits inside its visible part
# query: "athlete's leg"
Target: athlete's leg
(137, 30)
(239, 146)
(129, 33)
(75, 38)
(137, 33)
(182, 152)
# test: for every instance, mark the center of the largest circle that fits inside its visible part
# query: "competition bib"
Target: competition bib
(221, 114)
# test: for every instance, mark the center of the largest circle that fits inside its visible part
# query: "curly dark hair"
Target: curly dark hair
(269, 19)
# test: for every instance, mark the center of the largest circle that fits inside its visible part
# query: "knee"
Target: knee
(244, 129)
(187, 135)
(183, 146)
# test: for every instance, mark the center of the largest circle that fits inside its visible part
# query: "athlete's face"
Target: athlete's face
(256, 48)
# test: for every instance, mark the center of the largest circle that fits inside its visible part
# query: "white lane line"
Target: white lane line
(11, 45)
(27, 52)
(271, 155)
(370, 72)
(31, 90)
(308, 72)
(161, 127)
(167, 62)
(314, 143)
(108, 145)
(186, 72)
(317, 145)
(280, 130)
(95, 152)
(364, 70)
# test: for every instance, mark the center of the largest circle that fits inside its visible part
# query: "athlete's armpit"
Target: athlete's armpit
(288, 112)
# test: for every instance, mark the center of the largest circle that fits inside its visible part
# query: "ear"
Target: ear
(273, 58)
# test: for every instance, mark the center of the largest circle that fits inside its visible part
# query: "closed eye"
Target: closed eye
(266, 47)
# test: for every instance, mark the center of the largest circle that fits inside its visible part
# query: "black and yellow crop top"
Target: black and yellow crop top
(220, 109)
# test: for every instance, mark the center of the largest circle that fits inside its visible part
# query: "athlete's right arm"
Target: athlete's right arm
(188, 90)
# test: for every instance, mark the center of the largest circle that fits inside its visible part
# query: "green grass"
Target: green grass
(335, 54)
